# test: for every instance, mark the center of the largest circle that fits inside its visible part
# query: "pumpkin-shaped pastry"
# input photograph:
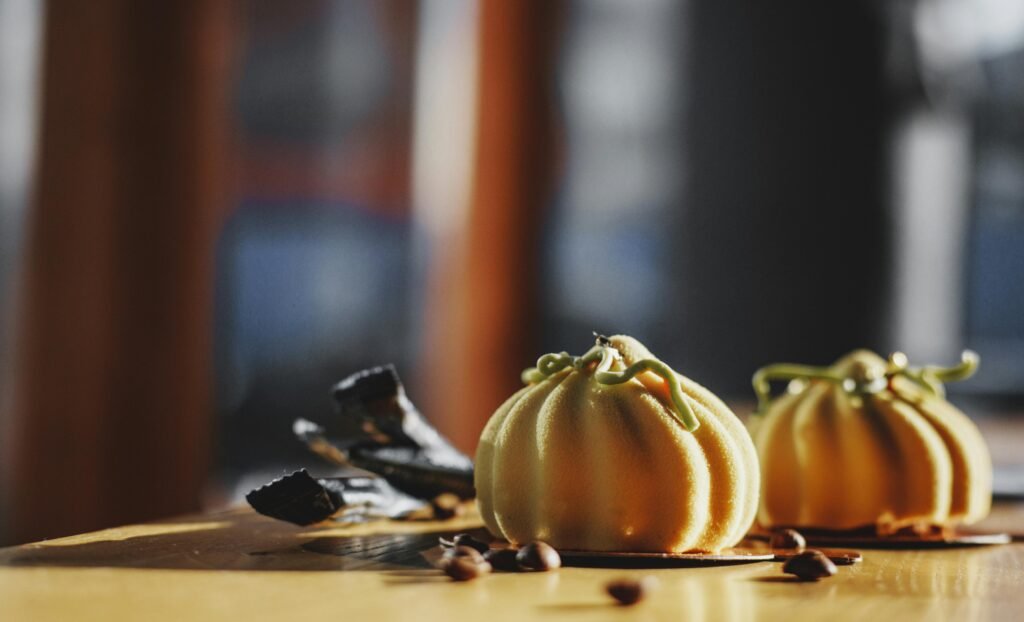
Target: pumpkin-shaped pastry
(614, 451)
(869, 443)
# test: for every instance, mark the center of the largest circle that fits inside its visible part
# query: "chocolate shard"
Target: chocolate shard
(392, 438)
(300, 499)
(368, 385)
(413, 471)
(296, 498)
(409, 469)
(376, 399)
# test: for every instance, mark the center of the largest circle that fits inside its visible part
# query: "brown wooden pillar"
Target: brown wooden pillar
(483, 321)
(111, 408)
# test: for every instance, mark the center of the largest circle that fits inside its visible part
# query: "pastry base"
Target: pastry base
(865, 538)
(606, 559)
(905, 541)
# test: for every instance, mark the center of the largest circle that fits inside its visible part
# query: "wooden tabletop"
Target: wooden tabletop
(240, 566)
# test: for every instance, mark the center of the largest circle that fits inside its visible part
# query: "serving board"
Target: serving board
(907, 541)
(840, 557)
(664, 560)
(861, 538)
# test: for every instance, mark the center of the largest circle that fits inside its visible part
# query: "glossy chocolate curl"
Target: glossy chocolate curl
(378, 429)
(301, 499)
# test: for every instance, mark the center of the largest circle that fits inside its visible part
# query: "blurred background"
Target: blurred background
(212, 211)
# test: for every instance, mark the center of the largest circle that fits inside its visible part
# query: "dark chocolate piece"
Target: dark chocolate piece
(390, 438)
(300, 499)
(410, 471)
(296, 498)
(376, 399)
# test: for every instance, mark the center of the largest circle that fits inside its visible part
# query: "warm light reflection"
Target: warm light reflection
(721, 598)
(134, 531)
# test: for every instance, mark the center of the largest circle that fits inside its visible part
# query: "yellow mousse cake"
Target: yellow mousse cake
(614, 451)
(869, 443)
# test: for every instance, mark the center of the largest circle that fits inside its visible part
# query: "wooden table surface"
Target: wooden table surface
(240, 566)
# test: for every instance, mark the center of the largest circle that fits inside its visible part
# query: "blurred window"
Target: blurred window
(313, 267)
(970, 65)
(611, 230)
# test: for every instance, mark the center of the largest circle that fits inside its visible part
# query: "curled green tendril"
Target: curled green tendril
(931, 377)
(594, 354)
(605, 355)
(787, 371)
(531, 375)
(683, 412)
(553, 363)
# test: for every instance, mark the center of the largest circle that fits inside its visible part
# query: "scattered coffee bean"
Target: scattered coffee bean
(463, 552)
(502, 559)
(788, 539)
(629, 591)
(446, 505)
(465, 569)
(464, 539)
(810, 566)
(539, 556)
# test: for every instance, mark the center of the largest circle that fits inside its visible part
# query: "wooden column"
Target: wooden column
(482, 324)
(111, 411)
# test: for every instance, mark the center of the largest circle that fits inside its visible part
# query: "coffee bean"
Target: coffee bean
(463, 552)
(628, 591)
(502, 559)
(465, 569)
(810, 566)
(446, 505)
(788, 539)
(538, 556)
(464, 539)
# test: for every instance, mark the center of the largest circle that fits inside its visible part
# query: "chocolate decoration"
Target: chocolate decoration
(908, 541)
(300, 499)
(376, 399)
(663, 560)
(296, 498)
(393, 440)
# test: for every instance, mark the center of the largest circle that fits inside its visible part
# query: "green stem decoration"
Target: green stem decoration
(683, 411)
(605, 355)
(930, 377)
(787, 371)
